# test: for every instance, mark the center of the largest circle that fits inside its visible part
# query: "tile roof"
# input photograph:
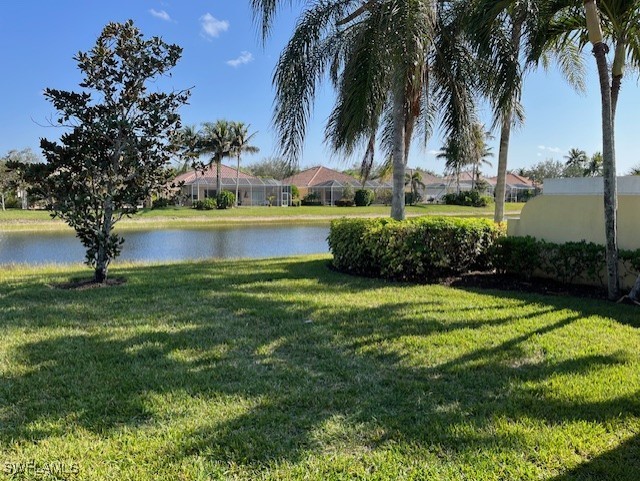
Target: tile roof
(209, 175)
(427, 178)
(513, 180)
(319, 175)
(465, 176)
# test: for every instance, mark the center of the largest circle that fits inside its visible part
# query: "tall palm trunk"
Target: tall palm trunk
(608, 148)
(501, 181)
(617, 72)
(237, 179)
(505, 133)
(398, 155)
(218, 179)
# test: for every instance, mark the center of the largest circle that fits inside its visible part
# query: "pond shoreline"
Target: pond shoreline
(168, 222)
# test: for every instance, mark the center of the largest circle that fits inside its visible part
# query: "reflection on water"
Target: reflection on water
(171, 244)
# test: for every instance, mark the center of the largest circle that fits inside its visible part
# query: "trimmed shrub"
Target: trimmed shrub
(345, 202)
(161, 202)
(471, 198)
(416, 249)
(517, 255)
(296, 203)
(312, 198)
(226, 199)
(364, 197)
(206, 204)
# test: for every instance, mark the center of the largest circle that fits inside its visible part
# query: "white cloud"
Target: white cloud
(212, 27)
(244, 58)
(553, 150)
(161, 14)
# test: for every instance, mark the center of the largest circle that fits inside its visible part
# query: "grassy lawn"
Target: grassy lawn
(179, 216)
(283, 369)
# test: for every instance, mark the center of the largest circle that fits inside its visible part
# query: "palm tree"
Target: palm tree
(480, 150)
(635, 170)
(415, 181)
(504, 33)
(240, 143)
(609, 101)
(186, 141)
(576, 163)
(454, 162)
(379, 56)
(615, 22)
(215, 139)
(594, 167)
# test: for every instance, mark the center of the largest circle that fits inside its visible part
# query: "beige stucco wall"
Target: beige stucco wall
(566, 218)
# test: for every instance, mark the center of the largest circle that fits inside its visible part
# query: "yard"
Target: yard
(284, 369)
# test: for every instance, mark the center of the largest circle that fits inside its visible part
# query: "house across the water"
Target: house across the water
(201, 184)
(329, 184)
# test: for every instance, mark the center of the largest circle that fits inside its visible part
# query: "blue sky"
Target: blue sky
(230, 70)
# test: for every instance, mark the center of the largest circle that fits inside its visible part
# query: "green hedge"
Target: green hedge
(206, 204)
(225, 200)
(470, 198)
(570, 263)
(417, 249)
(364, 197)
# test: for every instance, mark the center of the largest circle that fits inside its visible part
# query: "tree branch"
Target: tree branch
(356, 13)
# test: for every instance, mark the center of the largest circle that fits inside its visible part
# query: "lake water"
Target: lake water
(171, 244)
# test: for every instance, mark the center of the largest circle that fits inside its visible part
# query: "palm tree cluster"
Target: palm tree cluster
(400, 66)
(579, 164)
(217, 140)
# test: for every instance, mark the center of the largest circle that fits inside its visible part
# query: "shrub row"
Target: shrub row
(417, 249)
(206, 204)
(224, 200)
(471, 198)
(571, 262)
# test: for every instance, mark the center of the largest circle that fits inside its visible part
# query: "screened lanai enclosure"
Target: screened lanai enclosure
(252, 191)
(333, 190)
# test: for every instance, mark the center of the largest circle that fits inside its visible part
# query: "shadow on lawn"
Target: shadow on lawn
(621, 463)
(222, 333)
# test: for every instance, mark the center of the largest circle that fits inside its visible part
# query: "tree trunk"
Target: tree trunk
(398, 155)
(25, 200)
(501, 182)
(237, 180)
(3, 208)
(608, 149)
(218, 179)
(617, 72)
(505, 133)
(102, 257)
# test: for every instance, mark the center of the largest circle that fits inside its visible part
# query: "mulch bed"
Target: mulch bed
(504, 282)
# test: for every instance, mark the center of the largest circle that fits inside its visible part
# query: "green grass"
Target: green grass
(13, 219)
(283, 369)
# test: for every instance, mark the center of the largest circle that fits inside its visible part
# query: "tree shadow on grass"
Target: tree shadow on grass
(619, 464)
(300, 361)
